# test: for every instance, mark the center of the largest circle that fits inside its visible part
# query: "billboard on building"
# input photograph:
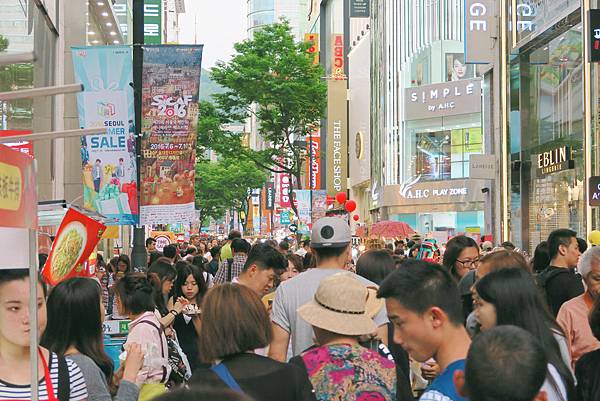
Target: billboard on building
(337, 137)
(108, 160)
(169, 120)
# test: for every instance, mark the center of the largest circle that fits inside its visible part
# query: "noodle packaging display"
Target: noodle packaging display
(76, 239)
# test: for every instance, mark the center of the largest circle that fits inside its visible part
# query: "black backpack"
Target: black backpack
(544, 277)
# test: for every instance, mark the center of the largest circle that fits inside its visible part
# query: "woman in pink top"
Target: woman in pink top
(134, 294)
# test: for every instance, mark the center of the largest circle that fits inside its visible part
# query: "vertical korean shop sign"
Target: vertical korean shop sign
(152, 22)
(108, 160)
(337, 137)
(171, 79)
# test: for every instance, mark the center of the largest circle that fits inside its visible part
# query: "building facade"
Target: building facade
(265, 12)
(552, 120)
(427, 120)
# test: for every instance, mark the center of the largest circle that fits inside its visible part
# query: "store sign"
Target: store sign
(337, 56)
(270, 196)
(415, 192)
(441, 100)
(480, 25)
(337, 137)
(314, 50)
(360, 9)
(482, 166)
(18, 195)
(594, 191)
(284, 218)
(313, 165)
(152, 22)
(555, 160)
(284, 190)
(594, 36)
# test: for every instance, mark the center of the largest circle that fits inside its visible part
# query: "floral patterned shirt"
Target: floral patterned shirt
(344, 372)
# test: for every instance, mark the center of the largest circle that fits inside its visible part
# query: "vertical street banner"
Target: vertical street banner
(108, 160)
(171, 80)
(313, 161)
(284, 190)
(337, 137)
(304, 206)
(270, 196)
(319, 204)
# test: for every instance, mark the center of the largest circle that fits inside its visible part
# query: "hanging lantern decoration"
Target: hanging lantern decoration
(341, 197)
(355, 217)
(350, 206)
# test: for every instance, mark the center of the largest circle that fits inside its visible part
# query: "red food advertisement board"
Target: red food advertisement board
(77, 237)
(18, 194)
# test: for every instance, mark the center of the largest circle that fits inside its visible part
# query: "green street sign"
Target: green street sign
(152, 22)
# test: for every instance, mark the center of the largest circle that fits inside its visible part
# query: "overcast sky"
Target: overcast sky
(217, 24)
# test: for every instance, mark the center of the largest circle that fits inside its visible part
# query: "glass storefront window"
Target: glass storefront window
(440, 148)
(550, 116)
(25, 29)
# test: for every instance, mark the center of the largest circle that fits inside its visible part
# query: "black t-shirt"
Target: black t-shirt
(587, 372)
(562, 285)
(261, 378)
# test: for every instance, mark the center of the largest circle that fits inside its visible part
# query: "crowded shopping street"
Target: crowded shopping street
(300, 200)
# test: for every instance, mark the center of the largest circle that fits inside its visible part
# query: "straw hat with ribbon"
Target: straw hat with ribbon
(343, 305)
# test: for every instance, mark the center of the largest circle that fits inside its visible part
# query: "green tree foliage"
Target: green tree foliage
(3, 43)
(274, 79)
(224, 184)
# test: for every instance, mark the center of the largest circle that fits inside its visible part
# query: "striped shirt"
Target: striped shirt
(10, 391)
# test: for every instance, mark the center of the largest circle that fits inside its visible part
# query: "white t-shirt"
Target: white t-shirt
(79, 392)
(297, 291)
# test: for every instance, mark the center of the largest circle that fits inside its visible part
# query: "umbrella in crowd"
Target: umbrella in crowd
(388, 228)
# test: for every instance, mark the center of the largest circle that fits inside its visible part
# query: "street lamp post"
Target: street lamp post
(138, 255)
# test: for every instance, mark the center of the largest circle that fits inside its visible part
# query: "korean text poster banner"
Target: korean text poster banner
(169, 120)
(108, 160)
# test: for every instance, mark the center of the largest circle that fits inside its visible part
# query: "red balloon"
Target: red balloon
(341, 197)
(355, 217)
(350, 206)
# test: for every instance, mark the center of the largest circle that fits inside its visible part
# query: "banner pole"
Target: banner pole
(33, 320)
(138, 255)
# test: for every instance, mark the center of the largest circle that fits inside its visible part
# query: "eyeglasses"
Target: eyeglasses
(471, 264)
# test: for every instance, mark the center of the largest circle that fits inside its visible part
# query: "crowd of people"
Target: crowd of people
(317, 321)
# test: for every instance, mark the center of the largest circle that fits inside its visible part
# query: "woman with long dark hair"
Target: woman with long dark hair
(511, 297)
(461, 256)
(162, 275)
(74, 329)
(190, 285)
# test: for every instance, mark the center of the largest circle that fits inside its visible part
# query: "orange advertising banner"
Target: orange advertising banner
(18, 194)
(77, 237)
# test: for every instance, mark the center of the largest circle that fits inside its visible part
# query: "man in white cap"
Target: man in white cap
(331, 244)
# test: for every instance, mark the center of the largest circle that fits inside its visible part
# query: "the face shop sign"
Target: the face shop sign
(440, 100)
(555, 160)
